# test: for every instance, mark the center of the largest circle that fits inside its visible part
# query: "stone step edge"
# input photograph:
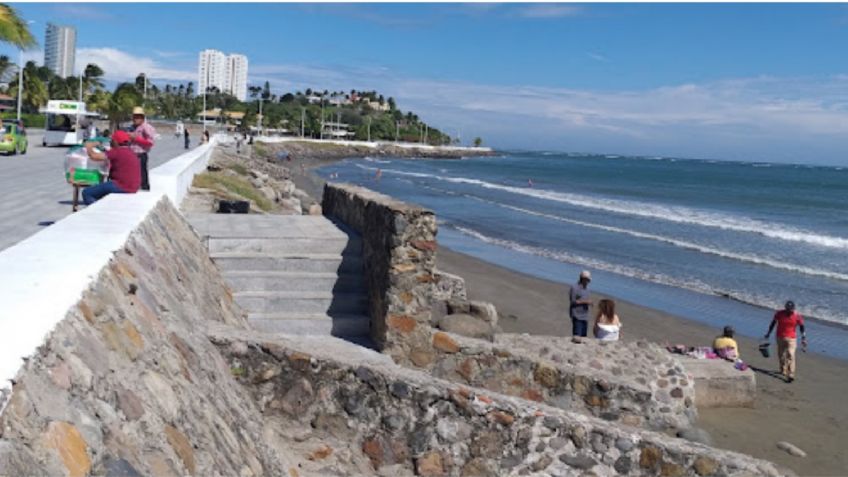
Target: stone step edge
(307, 316)
(285, 273)
(295, 255)
(310, 295)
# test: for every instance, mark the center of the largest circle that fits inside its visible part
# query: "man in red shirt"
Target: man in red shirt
(124, 169)
(787, 320)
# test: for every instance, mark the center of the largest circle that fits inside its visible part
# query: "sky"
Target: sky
(756, 82)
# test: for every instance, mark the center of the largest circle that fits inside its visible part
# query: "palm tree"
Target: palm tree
(91, 78)
(35, 91)
(121, 103)
(13, 29)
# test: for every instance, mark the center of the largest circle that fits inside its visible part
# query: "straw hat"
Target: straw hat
(138, 111)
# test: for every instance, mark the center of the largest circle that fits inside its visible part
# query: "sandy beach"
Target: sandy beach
(809, 413)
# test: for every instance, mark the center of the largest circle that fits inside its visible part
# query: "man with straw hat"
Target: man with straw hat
(142, 135)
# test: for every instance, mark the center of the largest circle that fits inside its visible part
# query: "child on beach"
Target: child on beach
(607, 325)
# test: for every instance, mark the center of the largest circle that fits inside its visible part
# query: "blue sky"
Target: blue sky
(762, 82)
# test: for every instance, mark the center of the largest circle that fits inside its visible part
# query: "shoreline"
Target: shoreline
(808, 413)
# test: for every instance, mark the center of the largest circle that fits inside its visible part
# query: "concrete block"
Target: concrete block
(719, 384)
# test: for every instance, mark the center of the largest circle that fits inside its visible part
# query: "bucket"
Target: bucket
(764, 349)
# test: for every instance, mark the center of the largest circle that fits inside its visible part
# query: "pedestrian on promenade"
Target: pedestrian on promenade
(142, 137)
(205, 136)
(580, 302)
(186, 137)
(607, 324)
(124, 169)
(786, 321)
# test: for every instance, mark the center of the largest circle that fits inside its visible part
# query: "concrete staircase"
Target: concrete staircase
(292, 274)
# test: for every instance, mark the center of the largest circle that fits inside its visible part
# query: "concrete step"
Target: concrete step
(243, 281)
(302, 302)
(311, 324)
(286, 245)
(304, 262)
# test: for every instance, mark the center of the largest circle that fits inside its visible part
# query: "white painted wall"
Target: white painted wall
(43, 276)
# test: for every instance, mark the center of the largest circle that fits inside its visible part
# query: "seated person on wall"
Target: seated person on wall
(725, 346)
(124, 169)
(607, 325)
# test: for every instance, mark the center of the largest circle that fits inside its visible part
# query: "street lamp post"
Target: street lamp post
(20, 82)
(302, 117)
(259, 117)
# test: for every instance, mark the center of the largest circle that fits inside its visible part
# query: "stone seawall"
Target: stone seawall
(128, 383)
(399, 251)
(407, 423)
(155, 372)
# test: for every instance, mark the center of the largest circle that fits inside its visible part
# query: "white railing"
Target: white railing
(45, 275)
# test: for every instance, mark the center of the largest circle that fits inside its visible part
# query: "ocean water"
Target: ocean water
(720, 242)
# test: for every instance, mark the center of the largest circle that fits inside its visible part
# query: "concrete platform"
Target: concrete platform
(719, 384)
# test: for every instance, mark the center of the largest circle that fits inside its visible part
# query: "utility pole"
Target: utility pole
(144, 98)
(369, 128)
(259, 117)
(20, 82)
(322, 118)
(204, 109)
(302, 117)
(397, 130)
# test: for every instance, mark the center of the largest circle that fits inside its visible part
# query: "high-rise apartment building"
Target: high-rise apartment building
(227, 73)
(60, 46)
(236, 81)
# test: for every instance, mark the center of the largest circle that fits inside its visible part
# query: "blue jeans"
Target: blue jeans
(92, 194)
(579, 327)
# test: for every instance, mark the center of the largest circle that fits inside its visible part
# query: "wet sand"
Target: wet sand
(810, 413)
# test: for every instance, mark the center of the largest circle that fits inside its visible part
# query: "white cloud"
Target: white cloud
(764, 117)
(119, 65)
(549, 11)
(597, 57)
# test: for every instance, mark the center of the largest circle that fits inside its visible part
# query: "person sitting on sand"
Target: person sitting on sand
(725, 346)
(607, 325)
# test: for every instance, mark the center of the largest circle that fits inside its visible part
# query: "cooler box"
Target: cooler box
(80, 169)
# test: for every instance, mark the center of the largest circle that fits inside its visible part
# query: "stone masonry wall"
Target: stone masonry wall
(399, 251)
(128, 383)
(408, 423)
(637, 384)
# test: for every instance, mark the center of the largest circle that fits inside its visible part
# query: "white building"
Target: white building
(236, 81)
(227, 73)
(60, 46)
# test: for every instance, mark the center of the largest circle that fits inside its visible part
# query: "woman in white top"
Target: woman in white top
(607, 325)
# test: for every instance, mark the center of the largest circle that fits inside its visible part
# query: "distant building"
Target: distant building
(227, 73)
(236, 80)
(60, 46)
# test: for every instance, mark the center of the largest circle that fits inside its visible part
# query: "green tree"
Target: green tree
(35, 90)
(478, 142)
(13, 29)
(120, 104)
(92, 78)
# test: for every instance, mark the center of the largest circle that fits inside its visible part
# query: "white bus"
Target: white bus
(64, 123)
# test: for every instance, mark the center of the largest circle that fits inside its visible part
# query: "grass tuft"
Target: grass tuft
(234, 185)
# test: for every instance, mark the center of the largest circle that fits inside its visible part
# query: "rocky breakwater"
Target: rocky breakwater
(128, 382)
(246, 176)
(406, 422)
(335, 150)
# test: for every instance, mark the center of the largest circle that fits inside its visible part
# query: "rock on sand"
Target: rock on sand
(791, 449)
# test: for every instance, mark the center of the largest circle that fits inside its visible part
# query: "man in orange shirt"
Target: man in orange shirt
(786, 321)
